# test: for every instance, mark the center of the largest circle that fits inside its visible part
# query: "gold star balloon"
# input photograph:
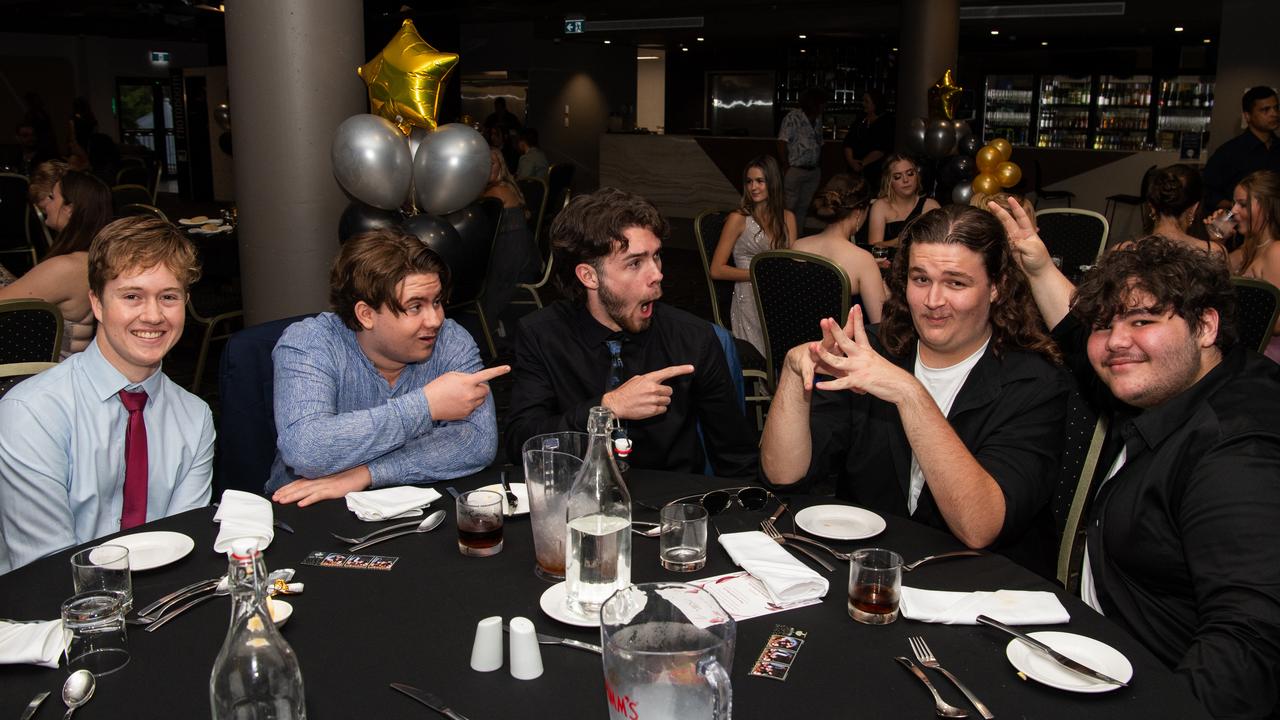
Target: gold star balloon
(405, 79)
(943, 97)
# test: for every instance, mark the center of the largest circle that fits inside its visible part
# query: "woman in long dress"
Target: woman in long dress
(761, 223)
(1256, 204)
(900, 201)
(842, 204)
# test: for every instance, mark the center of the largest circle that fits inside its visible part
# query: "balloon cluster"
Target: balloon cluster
(995, 171)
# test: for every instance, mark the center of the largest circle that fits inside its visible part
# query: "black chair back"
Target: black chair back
(559, 182)
(794, 292)
(707, 227)
(477, 226)
(535, 200)
(30, 331)
(134, 174)
(1257, 306)
(122, 195)
(1076, 236)
(1083, 442)
(247, 423)
(14, 373)
(13, 211)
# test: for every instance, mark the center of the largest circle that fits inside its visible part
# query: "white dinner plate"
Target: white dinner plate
(154, 549)
(1097, 655)
(553, 604)
(522, 493)
(840, 522)
(202, 231)
(192, 222)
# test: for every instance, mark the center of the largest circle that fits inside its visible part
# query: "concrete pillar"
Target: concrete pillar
(1246, 57)
(291, 66)
(928, 44)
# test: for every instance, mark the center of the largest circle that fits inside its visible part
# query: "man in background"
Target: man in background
(1252, 150)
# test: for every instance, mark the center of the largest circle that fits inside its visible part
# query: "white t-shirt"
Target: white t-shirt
(1089, 591)
(943, 384)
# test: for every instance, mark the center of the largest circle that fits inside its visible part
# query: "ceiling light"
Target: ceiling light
(646, 57)
(894, 49)
(1043, 43)
(684, 49)
(607, 42)
(1207, 41)
(995, 32)
(701, 39)
(1177, 28)
(802, 49)
(802, 37)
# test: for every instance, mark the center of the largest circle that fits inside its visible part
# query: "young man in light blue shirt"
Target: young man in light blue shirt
(105, 441)
(383, 390)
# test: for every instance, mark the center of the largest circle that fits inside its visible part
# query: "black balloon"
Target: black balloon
(963, 165)
(358, 218)
(434, 232)
(915, 136)
(475, 226)
(969, 145)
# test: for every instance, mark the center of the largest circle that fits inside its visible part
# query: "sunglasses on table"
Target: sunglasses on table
(717, 501)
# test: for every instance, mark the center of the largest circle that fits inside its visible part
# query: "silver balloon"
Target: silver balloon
(939, 138)
(222, 116)
(962, 193)
(915, 136)
(450, 168)
(371, 161)
(969, 146)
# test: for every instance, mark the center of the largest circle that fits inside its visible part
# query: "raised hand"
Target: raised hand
(455, 395)
(644, 396)
(1029, 250)
(854, 364)
(804, 361)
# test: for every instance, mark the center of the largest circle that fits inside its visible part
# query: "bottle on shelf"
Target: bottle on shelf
(599, 523)
(256, 675)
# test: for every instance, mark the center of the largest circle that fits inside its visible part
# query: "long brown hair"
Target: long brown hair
(90, 202)
(1262, 186)
(886, 174)
(1015, 322)
(773, 217)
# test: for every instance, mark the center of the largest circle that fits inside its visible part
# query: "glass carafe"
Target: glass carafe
(598, 516)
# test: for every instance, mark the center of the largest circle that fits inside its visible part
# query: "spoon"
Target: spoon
(77, 690)
(223, 589)
(431, 522)
(651, 532)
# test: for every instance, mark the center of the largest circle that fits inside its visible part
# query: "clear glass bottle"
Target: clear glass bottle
(598, 552)
(256, 675)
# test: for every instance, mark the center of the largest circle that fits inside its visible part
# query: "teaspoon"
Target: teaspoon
(431, 522)
(77, 690)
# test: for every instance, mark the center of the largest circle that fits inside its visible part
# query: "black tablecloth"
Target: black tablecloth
(355, 631)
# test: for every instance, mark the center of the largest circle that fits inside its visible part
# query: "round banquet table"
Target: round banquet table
(355, 631)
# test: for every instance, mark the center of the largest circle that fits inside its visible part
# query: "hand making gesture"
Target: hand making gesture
(644, 396)
(1029, 250)
(854, 365)
(455, 395)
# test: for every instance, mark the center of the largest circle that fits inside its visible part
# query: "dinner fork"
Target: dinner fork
(927, 659)
(774, 535)
(943, 708)
(835, 553)
(375, 533)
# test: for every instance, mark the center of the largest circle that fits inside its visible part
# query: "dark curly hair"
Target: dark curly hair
(1186, 280)
(1171, 192)
(370, 268)
(589, 228)
(842, 196)
(1015, 322)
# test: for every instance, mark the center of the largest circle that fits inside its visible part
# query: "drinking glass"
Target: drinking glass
(1222, 227)
(99, 642)
(875, 585)
(480, 523)
(105, 568)
(683, 540)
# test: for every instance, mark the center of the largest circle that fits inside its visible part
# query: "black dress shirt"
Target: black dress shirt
(1183, 539)
(1232, 161)
(1009, 414)
(562, 364)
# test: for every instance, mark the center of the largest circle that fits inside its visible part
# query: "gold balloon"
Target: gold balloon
(988, 158)
(1004, 146)
(1008, 174)
(986, 183)
(943, 97)
(405, 79)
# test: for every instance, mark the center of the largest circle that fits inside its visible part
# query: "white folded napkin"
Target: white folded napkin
(389, 503)
(39, 643)
(787, 579)
(244, 515)
(1012, 607)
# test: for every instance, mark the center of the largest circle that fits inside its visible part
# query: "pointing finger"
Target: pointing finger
(667, 373)
(490, 373)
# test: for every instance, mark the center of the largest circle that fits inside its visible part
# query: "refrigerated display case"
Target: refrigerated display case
(1183, 106)
(1124, 113)
(1007, 106)
(1065, 103)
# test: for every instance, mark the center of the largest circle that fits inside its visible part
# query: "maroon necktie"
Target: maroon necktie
(135, 461)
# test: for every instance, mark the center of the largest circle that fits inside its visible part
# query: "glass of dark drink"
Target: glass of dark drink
(480, 523)
(875, 584)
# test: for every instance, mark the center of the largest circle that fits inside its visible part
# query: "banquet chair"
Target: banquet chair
(794, 291)
(559, 180)
(143, 209)
(1043, 194)
(30, 331)
(727, 344)
(1257, 307)
(469, 263)
(122, 195)
(1084, 435)
(212, 308)
(134, 173)
(1118, 199)
(246, 423)
(13, 373)
(1079, 237)
(535, 198)
(15, 226)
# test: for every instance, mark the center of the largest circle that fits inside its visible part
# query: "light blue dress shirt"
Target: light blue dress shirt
(62, 461)
(335, 411)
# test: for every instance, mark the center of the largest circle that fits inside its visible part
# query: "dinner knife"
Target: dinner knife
(34, 705)
(544, 639)
(1063, 660)
(512, 499)
(427, 699)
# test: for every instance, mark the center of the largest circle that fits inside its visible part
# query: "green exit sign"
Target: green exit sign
(574, 27)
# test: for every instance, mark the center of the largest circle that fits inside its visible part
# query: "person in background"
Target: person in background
(867, 145)
(533, 162)
(1173, 201)
(78, 206)
(514, 258)
(900, 201)
(105, 441)
(1256, 204)
(1252, 150)
(661, 371)
(842, 204)
(31, 151)
(802, 132)
(383, 390)
(951, 413)
(761, 222)
(508, 127)
(1183, 516)
(41, 183)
